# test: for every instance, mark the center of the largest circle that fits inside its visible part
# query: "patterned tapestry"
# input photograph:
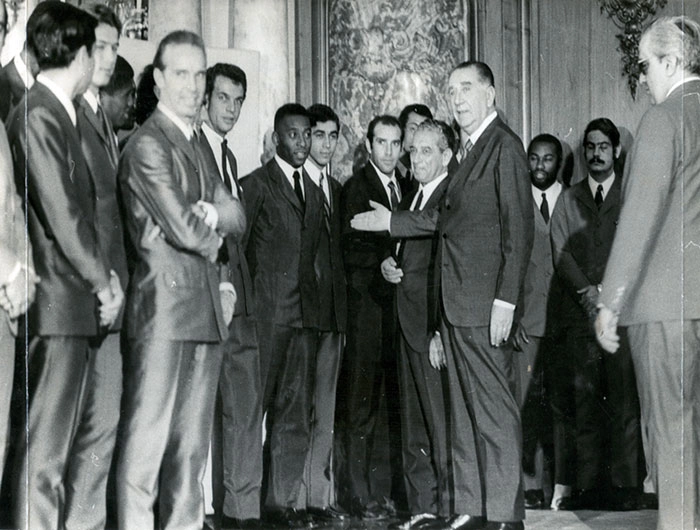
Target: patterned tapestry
(384, 55)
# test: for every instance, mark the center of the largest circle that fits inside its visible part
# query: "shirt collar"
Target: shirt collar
(186, 129)
(607, 184)
(24, 73)
(91, 100)
(552, 194)
(474, 137)
(60, 95)
(383, 176)
(430, 187)
(213, 137)
(681, 82)
(287, 168)
(314, 171)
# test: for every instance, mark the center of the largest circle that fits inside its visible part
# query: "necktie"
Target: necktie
(393, 196)
(326, 204)
(463, 150)
(544, 208)
(224, 170)
(297, 187)
(599, 196)
(419, 201)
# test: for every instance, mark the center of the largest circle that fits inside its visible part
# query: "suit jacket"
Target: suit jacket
(281, 245)
(416, 294)
(485, 226)
(542, 289)
(174, 290)
(101, 157)
(13, 88)
(61, 216)
(236, 270)
(363, 252)
(330, 269)
(14, 245)
(581, 239)
(652, 273)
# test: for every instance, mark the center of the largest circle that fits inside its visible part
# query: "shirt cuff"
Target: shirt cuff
(502, 303)
(227, 287)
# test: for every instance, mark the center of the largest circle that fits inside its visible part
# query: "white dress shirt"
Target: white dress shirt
(385, 182)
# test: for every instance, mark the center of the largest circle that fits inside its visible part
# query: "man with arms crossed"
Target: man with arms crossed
(651, 283)
(177, 215)
(485, 236)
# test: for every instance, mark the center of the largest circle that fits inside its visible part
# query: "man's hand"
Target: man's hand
(436, 352)
(16, 296)
(390, 271)
(111, 299)
(228, 304)
(589, 298)
(376, 220)
(606, 330)
(520, 338)
(501, 322)
(211, 215)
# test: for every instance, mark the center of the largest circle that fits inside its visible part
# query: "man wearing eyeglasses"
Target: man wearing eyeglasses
(651, 283)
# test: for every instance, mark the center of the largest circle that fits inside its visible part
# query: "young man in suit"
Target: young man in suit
(535, 335)
(423, 386)
(17, 279)
(79, 297)
(603, 386)
(320, 476)
(285, 215)
(368, 373)
(237, 437)
(178, 215)
(651, 283)
(91, 454)
(485, 236)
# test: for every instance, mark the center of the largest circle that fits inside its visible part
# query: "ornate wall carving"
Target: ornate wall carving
(386, 54)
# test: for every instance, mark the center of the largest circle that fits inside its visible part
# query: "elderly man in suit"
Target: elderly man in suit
(79, 297)
(485, 234)
(368, 374)
(177, 215)
(237, 438)
(651, 283)
(423, 386)
(602, 386)
(91, 454)
(535, 334)
(285, 215)
(17, 279)
(320, 475)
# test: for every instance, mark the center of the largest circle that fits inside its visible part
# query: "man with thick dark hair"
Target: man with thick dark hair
(179, 214)
(368, 373)
(411, 116)
(79, 297)
(118, 97)
(285, 215)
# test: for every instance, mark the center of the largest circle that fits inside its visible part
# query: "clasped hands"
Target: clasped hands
(111, 299)
(18, 294)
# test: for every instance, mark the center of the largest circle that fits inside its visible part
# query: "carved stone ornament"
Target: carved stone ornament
(630, 16)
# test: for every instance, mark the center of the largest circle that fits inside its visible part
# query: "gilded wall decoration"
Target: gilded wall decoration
(384, 55)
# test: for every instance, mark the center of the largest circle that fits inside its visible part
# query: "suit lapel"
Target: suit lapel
(583, 195)
(464, 170)
(376, 186)
(280, 179)
(612, 199)
(91, 118)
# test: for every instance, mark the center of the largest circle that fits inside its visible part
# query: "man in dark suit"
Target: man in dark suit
(118, 97)
(368, 373)
(91, 453)
(237, 437)
(535, 335)
(651, 283)
(285, 215)
(410, 118)
(177, 215)
(320, 476)
(423, 387)
(603, 386)
(78, 296)
(485, 230)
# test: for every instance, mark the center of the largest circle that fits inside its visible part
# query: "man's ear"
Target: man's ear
(368, 145)
(275, 139)
(617, 151)
(446, 157)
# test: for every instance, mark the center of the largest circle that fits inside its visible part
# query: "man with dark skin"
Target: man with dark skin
(118, 97)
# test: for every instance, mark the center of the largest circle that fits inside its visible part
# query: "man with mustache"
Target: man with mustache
(604, 389)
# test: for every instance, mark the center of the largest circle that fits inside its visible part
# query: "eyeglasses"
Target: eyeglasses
(643, 66)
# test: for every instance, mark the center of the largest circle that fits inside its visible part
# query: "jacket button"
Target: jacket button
(444, 236)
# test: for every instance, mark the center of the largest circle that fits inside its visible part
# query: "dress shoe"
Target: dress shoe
(581, 500)
(493, 525)
(288, 518)
(372, 511)
(647, 501)
(232, 523)
(329, 513)
(456, 522)
(534, 499)
(415, 522)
